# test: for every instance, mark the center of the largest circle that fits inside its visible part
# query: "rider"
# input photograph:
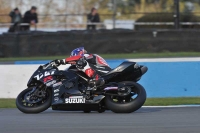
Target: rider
(91, 64)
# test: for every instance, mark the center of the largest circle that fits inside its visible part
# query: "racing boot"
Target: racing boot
(96, 82)
(93, 84)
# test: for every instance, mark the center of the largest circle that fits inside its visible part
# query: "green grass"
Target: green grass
(172, 101)
(113, 56)
(7, 103)
(10, 103)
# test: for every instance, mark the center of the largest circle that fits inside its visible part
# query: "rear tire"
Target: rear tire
(131, 106)
(29, 109)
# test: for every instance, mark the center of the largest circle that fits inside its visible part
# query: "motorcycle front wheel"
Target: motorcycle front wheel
(27, 102)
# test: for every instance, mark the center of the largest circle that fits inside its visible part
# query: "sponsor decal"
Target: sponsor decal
(103, 71)
(75, 99)
(56, 94)
(57, 84)
(49, 78)
(99, 67)
(50, 83)
(56, 99)
(57, 90)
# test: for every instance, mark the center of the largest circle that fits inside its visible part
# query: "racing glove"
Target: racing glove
(81, 63)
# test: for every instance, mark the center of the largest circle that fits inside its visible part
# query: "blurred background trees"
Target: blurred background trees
(74, 11)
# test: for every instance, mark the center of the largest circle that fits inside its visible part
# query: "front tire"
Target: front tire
(130, 105)
(38, 107)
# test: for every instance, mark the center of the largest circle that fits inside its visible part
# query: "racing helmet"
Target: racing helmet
(78, 51)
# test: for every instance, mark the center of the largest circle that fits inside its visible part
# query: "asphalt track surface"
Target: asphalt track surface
(145, 120)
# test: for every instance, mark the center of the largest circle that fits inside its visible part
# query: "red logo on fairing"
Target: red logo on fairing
(101, 60)
(48, 79)
(89, 72)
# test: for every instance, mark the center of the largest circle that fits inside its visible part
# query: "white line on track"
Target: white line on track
(187, 59)
(172, 106)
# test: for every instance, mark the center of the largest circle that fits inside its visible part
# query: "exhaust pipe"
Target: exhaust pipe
(144, 69)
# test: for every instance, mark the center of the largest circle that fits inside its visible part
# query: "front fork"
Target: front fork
(40, 91)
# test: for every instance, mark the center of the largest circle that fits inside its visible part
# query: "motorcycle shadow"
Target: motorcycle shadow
(148, 110)
(141, 110)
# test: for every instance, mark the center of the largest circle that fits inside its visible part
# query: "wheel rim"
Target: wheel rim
(29, 100)
(128, 98)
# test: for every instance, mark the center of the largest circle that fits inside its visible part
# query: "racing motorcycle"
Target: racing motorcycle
(69, 90)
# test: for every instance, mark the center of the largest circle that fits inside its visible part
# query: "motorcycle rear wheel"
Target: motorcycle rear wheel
(27, 107)
(126, 104)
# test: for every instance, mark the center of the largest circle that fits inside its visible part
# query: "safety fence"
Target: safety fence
(52, 27)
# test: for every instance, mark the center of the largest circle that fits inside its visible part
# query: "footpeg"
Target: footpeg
(88, 94)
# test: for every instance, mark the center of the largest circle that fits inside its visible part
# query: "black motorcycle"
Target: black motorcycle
(69, 90)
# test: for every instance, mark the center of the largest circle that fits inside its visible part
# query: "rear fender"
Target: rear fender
(122, 67)
(127, 71)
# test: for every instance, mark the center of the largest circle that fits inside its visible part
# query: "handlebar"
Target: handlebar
(52, 64)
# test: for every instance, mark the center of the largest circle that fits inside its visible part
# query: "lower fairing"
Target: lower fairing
(78, 104)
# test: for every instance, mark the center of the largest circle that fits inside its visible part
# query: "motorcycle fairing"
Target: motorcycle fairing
(127, 71)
